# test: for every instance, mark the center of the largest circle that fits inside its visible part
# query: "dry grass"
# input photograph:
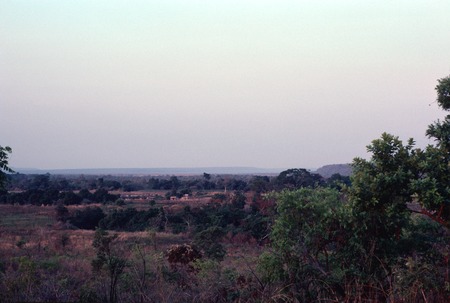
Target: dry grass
(33, 232)
(31, 227)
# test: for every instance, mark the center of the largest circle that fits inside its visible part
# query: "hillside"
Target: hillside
(329, 170)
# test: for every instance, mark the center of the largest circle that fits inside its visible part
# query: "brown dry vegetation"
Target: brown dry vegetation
(42, 260)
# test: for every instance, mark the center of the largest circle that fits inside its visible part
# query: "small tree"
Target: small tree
(208, 241)
(87, 218)
(379, 221)
(108, 260)
(62, 213)
(238, 201)
(305, 240)
(182, 255)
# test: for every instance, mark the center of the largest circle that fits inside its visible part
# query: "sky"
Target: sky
(269, 84)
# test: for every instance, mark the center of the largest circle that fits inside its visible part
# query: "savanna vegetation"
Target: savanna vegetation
(381, 235)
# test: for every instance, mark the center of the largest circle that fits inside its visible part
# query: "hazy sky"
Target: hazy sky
(89, 84)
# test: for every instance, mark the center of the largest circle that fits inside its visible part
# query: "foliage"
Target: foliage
(103, 196)
(443, 93)
(87, 218)
(33, 196)
(4, 168)
(304, 235)
(238, 200)
(378, 197)
(208, 241)
(296, 178)
(182, 254)
(62, 213)
(433, 186)
(41, 182)
(257, 225)
(44, 193)
(325, 246)
(338, 181)
(130, 219)
(371, 245)
(260, 184)
(107, 259)
(70, 198)
(219, 198)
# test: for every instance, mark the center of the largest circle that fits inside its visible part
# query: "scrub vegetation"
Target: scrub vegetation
(380, 235)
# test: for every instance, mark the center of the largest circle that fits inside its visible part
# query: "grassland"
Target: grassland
(42, 259)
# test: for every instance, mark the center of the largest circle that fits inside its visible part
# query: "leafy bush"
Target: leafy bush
(208, 241)
(87, 218)
(129, 219)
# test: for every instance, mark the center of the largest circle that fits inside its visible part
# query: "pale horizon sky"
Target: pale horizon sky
(270, 84)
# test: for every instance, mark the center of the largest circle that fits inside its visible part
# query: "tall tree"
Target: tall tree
(304, 239)
(378, 199)
(433, 187)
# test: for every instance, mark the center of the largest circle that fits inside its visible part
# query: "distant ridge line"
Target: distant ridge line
(152, 171)
(325, 171)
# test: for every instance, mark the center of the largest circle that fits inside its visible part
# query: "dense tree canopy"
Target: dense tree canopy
(296, 178)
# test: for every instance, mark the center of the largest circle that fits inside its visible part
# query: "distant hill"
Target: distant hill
(154, 171)
(329, 170)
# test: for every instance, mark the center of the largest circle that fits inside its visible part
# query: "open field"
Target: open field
(36, 247)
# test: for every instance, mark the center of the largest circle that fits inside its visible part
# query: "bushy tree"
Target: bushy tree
(182, 254)
(62, 213)
(379, 195)
(70, 198)
(208, 241)
(238, 200)
(296, 178)
(87, 218)
(260, 184)
(103, 196)
(304, 241)
(41, 182)
(338, 181)
(130, 219)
